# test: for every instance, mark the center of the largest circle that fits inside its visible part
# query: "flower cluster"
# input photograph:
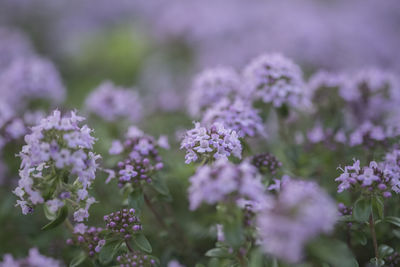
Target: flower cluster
(89, 239)
(300, 212)
(124, 223)
(141, 157)
(58, 165)
(34, 259)
(111, 103)
(135, 259)
(212, 85)
(237, 114)
(370, 135)
(214, 141)
(375, 178)
(28, 79)
(344, 210)
(275, 79)
(217, 182)
(266, 163)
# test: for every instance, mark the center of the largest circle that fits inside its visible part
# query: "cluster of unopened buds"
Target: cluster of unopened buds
(266, 163)
(91, 240)
(135, 259)
(125, 223)
(142, 157)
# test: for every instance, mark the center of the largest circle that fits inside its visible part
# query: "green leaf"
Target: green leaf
(78, 259)
(234, 234)
(109, 250)
(393, 220)
(218, 253)
(141, 241)
(378, 205)
(385, 250)
(160, 186)
(256, 258)
(377, 262)
(136, 200)
(61, 216)
(346, 218)
(334, 252)
(359, 238)
(49, 215)
(362, 209)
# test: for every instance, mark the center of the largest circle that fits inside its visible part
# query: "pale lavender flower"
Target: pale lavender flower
(174, 263)
(135, 258)
(275, 79)
(34, 259)
(215, 183)
(369, 135)
(111, 103)
(237, 114)
(56, 147)
(376, 178)
(300, 212)
(212, 142)
(210, 86)
(31, 78)
(141, 157)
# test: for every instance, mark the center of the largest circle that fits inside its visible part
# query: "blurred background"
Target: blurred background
(157, 46)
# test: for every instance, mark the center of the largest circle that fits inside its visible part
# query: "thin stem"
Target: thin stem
(128, 246)
(154, 211)
(373, 234)
(69, 225)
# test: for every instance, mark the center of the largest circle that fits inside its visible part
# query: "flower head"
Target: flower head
(237, 114)
(141, 157)
(212, 85)
(91, 239)
(136, 258)
(273, 78)
(214, 141)
(124, 223)
(215, 183)
(300, 212)
(58, 151)
(111, 103)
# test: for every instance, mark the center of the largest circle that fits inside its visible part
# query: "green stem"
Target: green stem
(154, 211)
(373, 234)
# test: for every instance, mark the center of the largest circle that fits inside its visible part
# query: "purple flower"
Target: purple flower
(31, 78)
(214, 141)
(210, 86)
(90, 239)
(266, 163)
(273, 78)
(214, 183)
(34, 259)
(141, 157)
(112, 103)
(300, 212)
(124, 223)
(238, 115)
(135, 258)
(56, 147)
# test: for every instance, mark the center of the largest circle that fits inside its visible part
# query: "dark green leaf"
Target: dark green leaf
(218, 253)
(362, 209)
(393, 220)
(78, 259)
(234, 234)
(378, 205)
(160, 186)
(334, 252)
(61, 216)
(141, 241)
(49, 215)
(256, 258)
(109, 250)
(136, 200)
(359, 238)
